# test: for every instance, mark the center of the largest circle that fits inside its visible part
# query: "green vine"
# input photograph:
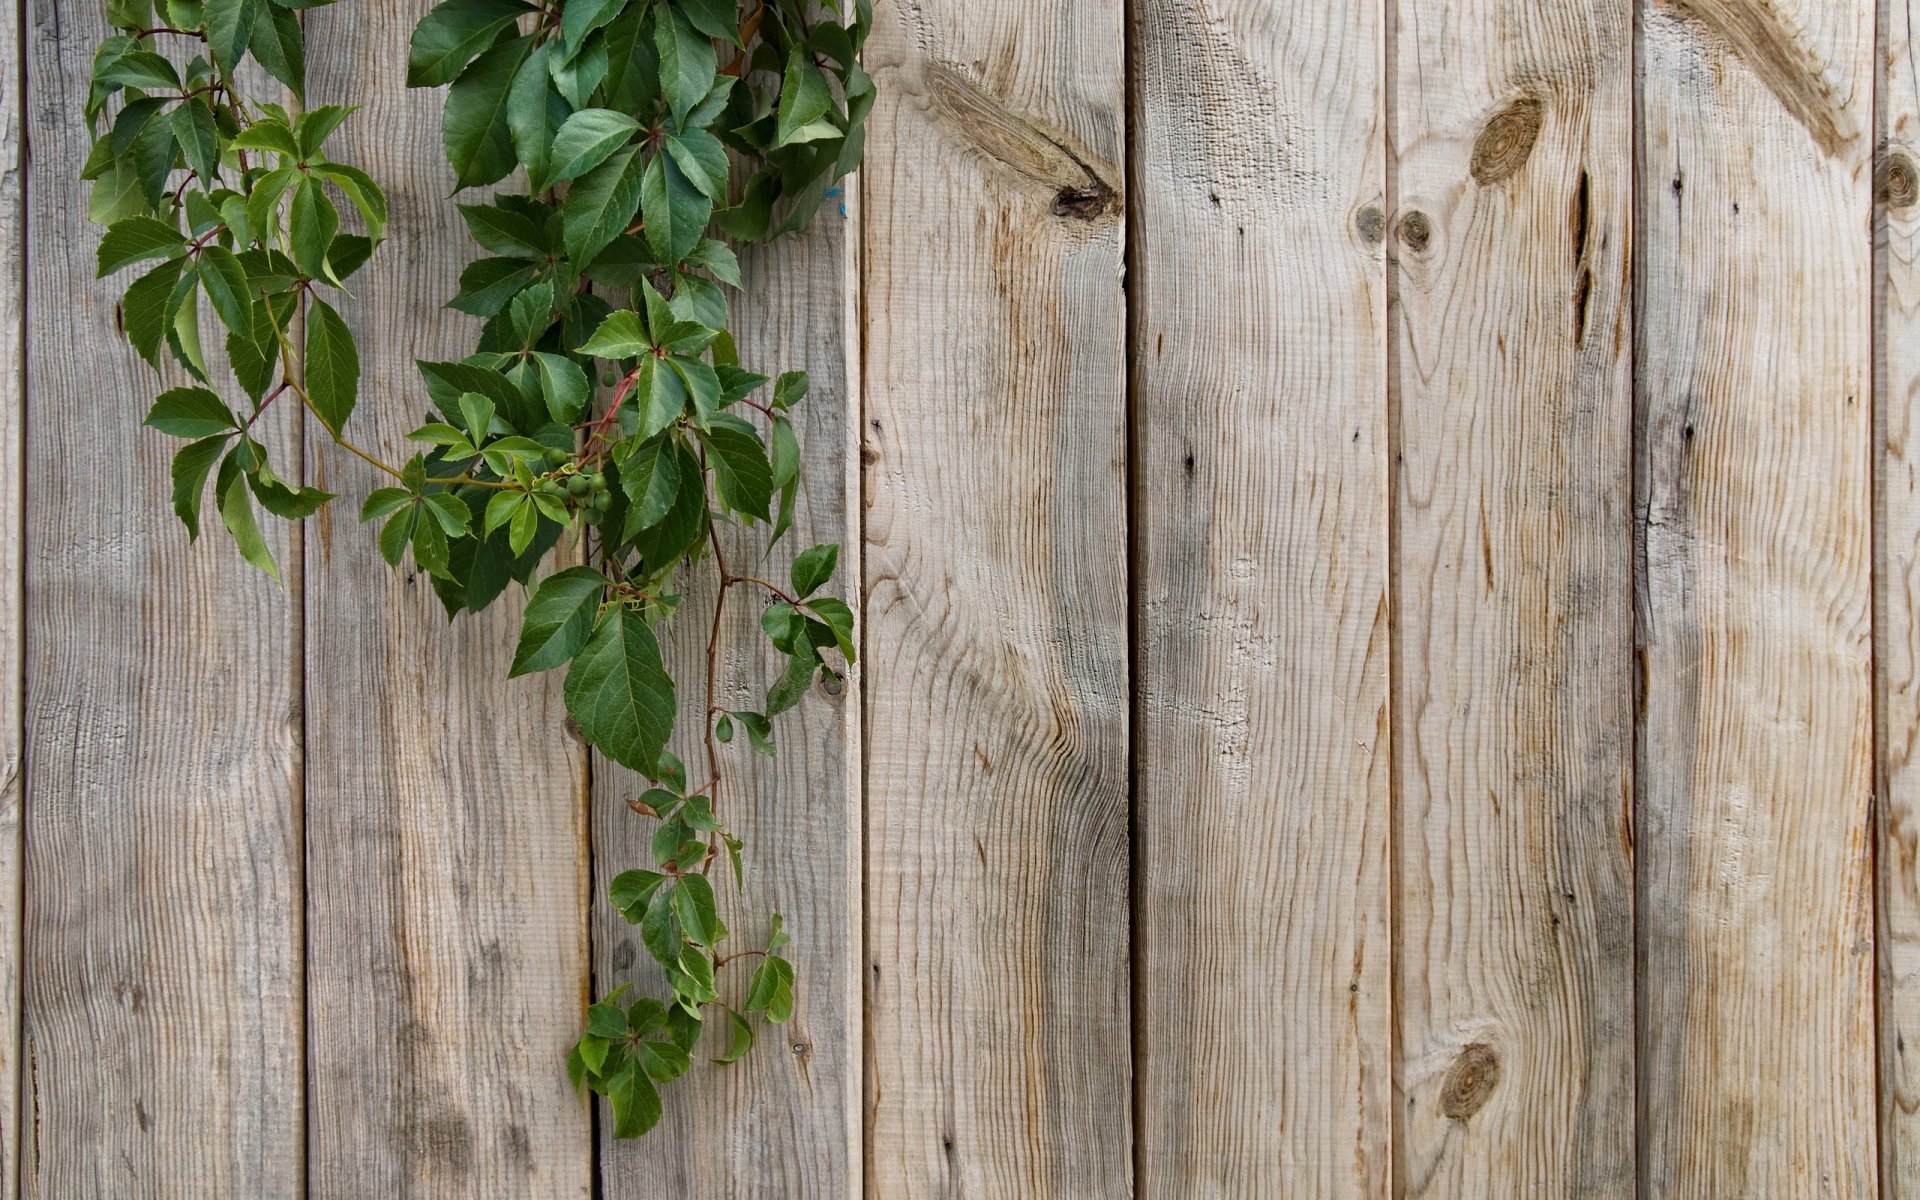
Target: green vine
(604, 400)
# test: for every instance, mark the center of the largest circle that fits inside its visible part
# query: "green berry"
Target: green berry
(579, 486)
(556, 457)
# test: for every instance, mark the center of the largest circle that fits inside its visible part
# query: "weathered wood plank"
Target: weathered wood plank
(1753, 455)
(1897, 595)
(997, 732)
(1513, 701)
(1259, 313)
(162, 954)
(447, 808)
(13, 516)
(786, 1120)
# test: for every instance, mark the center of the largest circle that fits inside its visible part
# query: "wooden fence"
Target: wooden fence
(1391, 565)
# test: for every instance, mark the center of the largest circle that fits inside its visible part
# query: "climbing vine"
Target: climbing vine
(604, 403)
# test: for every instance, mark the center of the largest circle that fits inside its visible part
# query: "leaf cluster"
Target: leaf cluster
(604, 402)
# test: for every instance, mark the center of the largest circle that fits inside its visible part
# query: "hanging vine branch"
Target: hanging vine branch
(605, 397)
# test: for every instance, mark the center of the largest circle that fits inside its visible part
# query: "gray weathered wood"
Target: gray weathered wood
(447, 810)
(13, 499)
(997, 731)
(1513, 701)
(1259, 316)
(786, 1120)
(1897, 597)
(1755, 903)
(163, 930)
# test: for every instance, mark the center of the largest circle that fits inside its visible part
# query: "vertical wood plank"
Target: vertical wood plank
(447, 807)
(1897, 595)
(163, 928)
(1259, 308)
(1753, 457)
(1513, 701)
(996, 444)
(786, 1120)
(13, 516)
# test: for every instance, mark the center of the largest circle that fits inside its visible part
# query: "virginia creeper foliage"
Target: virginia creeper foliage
(604, 403)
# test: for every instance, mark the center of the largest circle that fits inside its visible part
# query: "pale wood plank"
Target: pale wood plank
(786, 1120)
(1753, 452)
(448, 850)
(997, 734)
(163, 928)
(1259, 312)
(1897, 595)
(13, 516)
(1513, 701)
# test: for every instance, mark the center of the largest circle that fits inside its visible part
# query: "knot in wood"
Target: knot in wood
(1506, 141)
(1899, 182)
(1470, 1081)
(1088, 203)
(1371, 224)
(1416, 231)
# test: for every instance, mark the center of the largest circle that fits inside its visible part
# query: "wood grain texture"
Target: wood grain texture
(447, 807)
(1753, 454)
(997, 732)
(786, 1120)
(162, 929)
(1897, 594)
(13, 516)
(1513, 701)
(1259, 311)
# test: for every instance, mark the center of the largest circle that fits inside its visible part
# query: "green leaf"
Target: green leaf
(793, 683)
(688, 62)
(311, 224)
(675, 211)
(664, 1061)
(199, 140)
(771, 990)
(759, 733)
(487, 284)
(475, 133)
(565, 386)
(504, 231)
(811, 568)
(703, 160)
(660, 395)
(145, 308)
(137, 239)
(138, 69)
(784, 452)
(619, 336)
(236, 512)
(631, 891)
(559, 618)
(602, 204)
(587, 139)
(839, 618)
(607, 1019)
(534, 113)
(382, 501)
(279, 45)
(226, 283)
(229, 26)
(693, 904)
(450, 35)
(650, 478)
(618, 692)
(739, 1039)
(743, 479)
(789, 389)
(804, 97)
(362, 192)
(190, 412)
(190, 467)
(714, 18)
(333, 366)
(478, 410)
(581, 17)
(660, 929)
(636, 1104)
